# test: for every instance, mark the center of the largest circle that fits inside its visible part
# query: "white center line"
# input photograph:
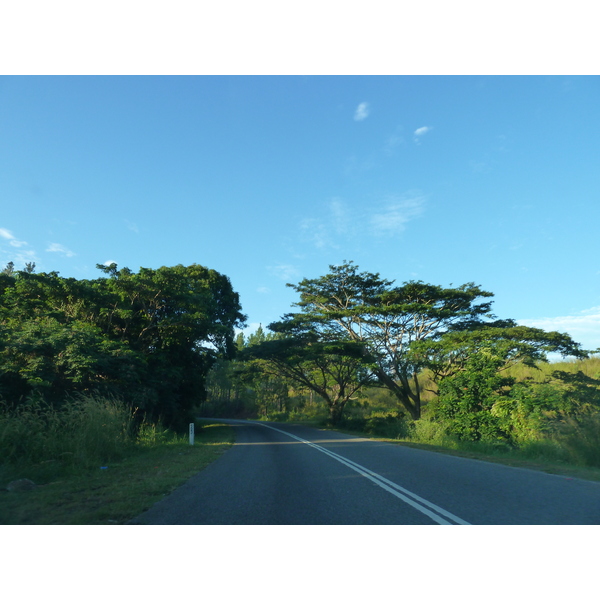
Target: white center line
(403, 494)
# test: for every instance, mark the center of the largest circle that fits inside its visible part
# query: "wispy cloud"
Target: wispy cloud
(263, 290)
(7, 235)
(316, 232)
(395, 212)
(284, 272)
(321, 231)
(19, 257)
(60, 249)
(362, 111)
(340, 216)
(340, 221)
(392, 142)
(132, 226)
(583, 327)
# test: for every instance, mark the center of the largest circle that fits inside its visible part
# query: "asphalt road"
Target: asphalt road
(281, 474)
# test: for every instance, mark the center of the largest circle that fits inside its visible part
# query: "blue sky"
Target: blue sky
(447, 179)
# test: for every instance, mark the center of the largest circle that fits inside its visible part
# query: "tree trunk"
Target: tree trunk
(412, 405)
(335, 412)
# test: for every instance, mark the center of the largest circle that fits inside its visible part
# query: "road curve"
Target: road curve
(281, 474)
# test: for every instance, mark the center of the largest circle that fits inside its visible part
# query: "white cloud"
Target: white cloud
(583, 327)
(107, 263)
(395, 213)
(336, 221)
(263, 290)
(60, 249)
(362, 111)
(423, 130)
(7, 235)
(420, 132)
(19, 257)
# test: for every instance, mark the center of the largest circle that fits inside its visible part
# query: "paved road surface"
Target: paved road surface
(281, 474)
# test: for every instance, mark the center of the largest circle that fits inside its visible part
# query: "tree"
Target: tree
(386, 320)
(467, 398)
(182, 319)
(448, 354)
(475, 398)
(332, 368)
(9, 269)
(150, 336)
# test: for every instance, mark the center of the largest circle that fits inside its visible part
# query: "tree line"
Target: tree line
(163, 341)
(355, 332)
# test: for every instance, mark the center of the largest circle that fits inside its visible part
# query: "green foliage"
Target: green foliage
(386, 320)
(390, 425)
(467, 397)
(429, 431)
(446, 354)
(332, 368)
(239, 388)
(87, 431)
(478, 380)
(149, 337)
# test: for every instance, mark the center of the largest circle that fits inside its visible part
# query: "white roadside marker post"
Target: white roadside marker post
(191, 434)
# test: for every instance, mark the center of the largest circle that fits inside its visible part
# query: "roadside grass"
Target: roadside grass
(115, 494)
(542, 456)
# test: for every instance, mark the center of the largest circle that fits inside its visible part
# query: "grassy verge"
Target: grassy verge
(489, 453)
(115, 494)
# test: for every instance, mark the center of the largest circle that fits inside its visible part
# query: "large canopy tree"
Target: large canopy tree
(389, 321)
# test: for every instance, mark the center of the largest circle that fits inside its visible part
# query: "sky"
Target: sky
(271, 179)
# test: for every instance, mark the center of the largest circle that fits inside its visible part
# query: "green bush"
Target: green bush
(316, 413)
(280, 417)
(390, 425)
(154, 434)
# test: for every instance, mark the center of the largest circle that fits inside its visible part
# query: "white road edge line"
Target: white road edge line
(418, 503)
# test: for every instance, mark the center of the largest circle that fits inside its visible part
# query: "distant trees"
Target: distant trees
(150, 336)
(332, 368)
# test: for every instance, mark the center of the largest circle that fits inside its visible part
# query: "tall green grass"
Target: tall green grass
(41, 441)
(86, 431)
